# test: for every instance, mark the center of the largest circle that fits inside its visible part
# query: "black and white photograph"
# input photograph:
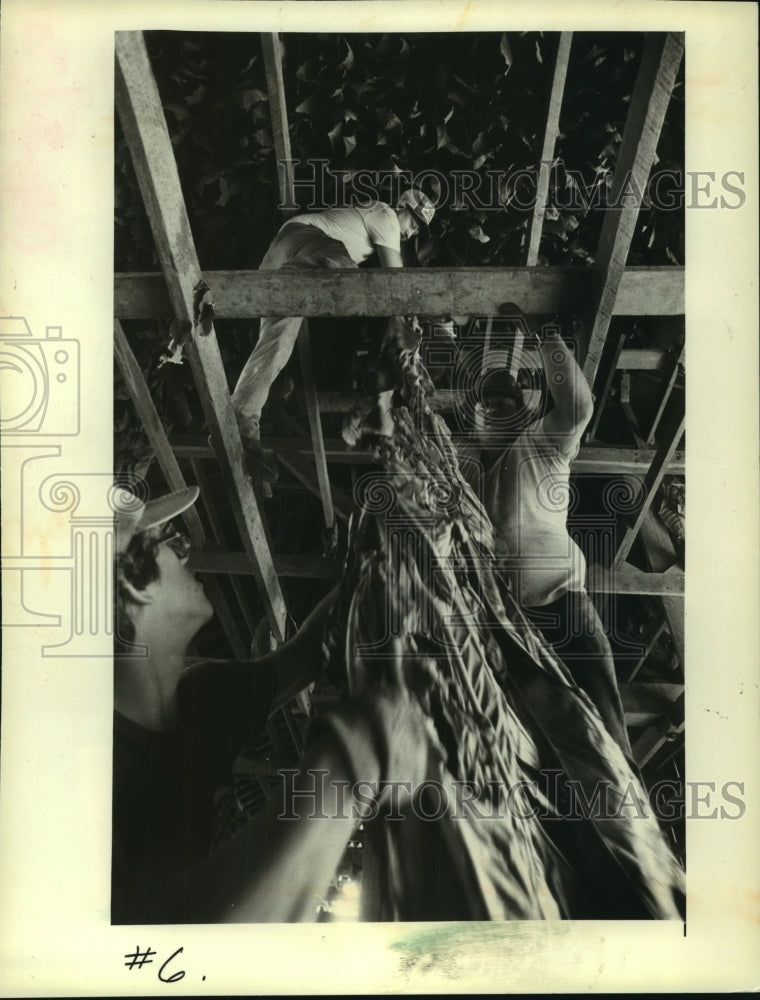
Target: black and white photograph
(410, 544)
(344, 492)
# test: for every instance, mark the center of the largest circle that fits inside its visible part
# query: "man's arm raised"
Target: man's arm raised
(568, 388)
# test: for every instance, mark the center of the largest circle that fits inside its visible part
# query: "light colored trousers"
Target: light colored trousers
(296, 246)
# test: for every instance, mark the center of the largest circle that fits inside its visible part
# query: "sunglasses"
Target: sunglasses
(178, 541)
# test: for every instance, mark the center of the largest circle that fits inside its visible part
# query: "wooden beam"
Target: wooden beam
(278, 116)
(444, 400)
(139, 393)
(239, 563)
(660, 556)
(550, 140)
(658, 548)
(591, 458)
(601, 459)
(651, 484)
(309, 385)
(651, 436)
(643, 291)
(630, 580)
(628, 411)
(653, 738)
(601, 401)
(651, 643)
(142, 118)
(644, 704)
(649, 103)
(641, 360)
(217, 533)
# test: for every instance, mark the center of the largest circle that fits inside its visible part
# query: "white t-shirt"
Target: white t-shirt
(526, 494)
(360, 230)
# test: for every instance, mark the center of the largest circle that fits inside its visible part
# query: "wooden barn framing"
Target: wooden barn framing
(597, 293)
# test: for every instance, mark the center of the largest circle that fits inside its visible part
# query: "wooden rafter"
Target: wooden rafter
(457, 291)
(601, 400)
(217, 533)
(651, 643)
(139, 393)
(628, 580)
(325, 489)
(141, 115)
(278, 117)
(628, 412)
(551, 132)
(668, 728)
(278, 111)
(651, 484)
(649, 104)
(660, 556)
(658, 548)
(446, 400)
(315, 567)
(668, 389)
(644, 704)
(591, 458)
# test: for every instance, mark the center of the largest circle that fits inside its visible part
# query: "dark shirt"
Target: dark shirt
(164, 784)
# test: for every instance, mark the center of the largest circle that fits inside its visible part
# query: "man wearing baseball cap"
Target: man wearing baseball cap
(520, 465)
(179, 726)
(335, 238)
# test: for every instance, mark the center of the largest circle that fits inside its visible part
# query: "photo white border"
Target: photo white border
(56, 248)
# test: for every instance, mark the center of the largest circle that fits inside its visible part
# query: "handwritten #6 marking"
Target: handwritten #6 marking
(139, 958)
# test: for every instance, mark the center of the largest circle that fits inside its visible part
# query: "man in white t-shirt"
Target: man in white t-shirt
(336, 238)
(524, 474)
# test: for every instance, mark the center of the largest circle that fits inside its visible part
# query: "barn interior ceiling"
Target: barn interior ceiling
(594, 238)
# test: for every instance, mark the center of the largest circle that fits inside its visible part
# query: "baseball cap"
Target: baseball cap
(419, 205)
(499, 382)
(494, 382)
(134, 515)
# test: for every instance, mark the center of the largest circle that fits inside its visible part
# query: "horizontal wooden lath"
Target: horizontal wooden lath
(645, 704)
(627, 580)
(599, 459)
(466, 291)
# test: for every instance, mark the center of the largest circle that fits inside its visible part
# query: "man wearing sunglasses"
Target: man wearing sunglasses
(178, 729)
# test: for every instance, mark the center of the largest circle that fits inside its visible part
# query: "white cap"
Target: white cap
(418, 204)
(133, 515)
